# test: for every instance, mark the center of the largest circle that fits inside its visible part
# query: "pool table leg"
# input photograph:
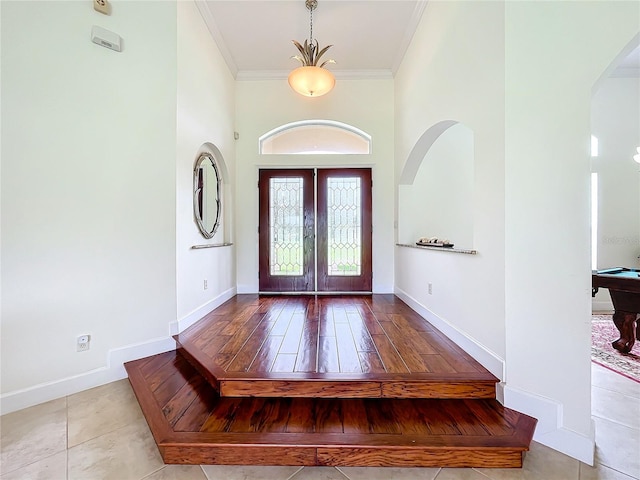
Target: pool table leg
(625, 323)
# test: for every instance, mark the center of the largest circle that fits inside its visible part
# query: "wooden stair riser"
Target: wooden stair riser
(344, 389)
(339, 457)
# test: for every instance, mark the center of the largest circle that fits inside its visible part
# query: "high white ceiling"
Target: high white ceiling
(369, 37)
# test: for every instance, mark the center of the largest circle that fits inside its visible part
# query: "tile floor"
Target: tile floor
(101, 434)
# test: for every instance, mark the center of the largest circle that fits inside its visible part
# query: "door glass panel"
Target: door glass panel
(344, 226)
(286, 226)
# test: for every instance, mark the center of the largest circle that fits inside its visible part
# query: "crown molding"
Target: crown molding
(209, 21)
(416, 17)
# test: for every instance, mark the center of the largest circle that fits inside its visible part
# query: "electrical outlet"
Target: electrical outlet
(102, 6)
(430, 289)
(82, 343)
(205, 285)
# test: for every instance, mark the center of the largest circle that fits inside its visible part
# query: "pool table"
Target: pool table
(624, 287)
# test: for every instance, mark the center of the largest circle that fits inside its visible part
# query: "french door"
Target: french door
(315, 230)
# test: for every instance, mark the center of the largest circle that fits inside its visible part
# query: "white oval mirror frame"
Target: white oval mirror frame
(206, 194)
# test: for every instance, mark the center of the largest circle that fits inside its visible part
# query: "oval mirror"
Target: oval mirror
(206, 194)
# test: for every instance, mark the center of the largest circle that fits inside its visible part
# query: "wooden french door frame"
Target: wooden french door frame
(352, 282)
(316, 275)
(272, 282)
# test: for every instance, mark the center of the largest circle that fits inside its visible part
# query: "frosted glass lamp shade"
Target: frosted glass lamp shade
(637, 157)
(311, 81)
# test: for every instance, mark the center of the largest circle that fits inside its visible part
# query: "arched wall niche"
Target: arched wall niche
(315, 137)
(224, 232)
(436, 188)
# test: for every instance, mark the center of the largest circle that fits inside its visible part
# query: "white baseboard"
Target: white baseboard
(480, 353)
(185, 322)
(550, 430)
(114, 369)
(243, 289)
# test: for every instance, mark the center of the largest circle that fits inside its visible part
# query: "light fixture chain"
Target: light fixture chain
(311, 25)
(311, 5)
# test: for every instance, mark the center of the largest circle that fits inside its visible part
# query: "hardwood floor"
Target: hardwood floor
(336, 381)
(350, 347)
(192, 424)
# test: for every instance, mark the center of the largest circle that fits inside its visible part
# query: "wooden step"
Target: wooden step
(329, 347)
(192, 424)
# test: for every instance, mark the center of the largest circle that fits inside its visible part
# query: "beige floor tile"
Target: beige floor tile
(101, 410)
(319, 473)
(605, 378)
(386, 473)
(460, 474)
(128, 453)
(248, 472)
(178, 472)
(600, 472)
(618, 447)
(540, 463)
(33, 434)
(50, 468)
(616, 407)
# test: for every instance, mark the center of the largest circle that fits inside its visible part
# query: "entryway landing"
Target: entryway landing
(326, 380)
(370, 346)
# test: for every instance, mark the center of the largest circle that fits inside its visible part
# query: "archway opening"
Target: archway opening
(615, 191)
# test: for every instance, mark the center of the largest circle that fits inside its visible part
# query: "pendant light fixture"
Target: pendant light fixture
(311, 79)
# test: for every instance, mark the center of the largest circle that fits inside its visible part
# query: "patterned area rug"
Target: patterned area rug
(603, 332)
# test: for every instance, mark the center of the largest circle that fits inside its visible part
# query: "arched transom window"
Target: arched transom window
(315, 137)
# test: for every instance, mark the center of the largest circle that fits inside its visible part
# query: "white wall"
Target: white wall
(266, 104)
(547, 164)
(452, 72)
(206, 109)
(439, 202)
(88, 186)
(523, 301)
(615, 121)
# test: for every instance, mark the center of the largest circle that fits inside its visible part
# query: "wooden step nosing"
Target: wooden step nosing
(201, 363)
(347, 440)
(525, 429)
(351, 377)
(158, 424)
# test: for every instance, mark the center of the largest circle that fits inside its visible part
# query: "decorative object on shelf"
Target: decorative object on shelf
(434, 242)
(637, 156)
(311, 79)
(207, 192)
